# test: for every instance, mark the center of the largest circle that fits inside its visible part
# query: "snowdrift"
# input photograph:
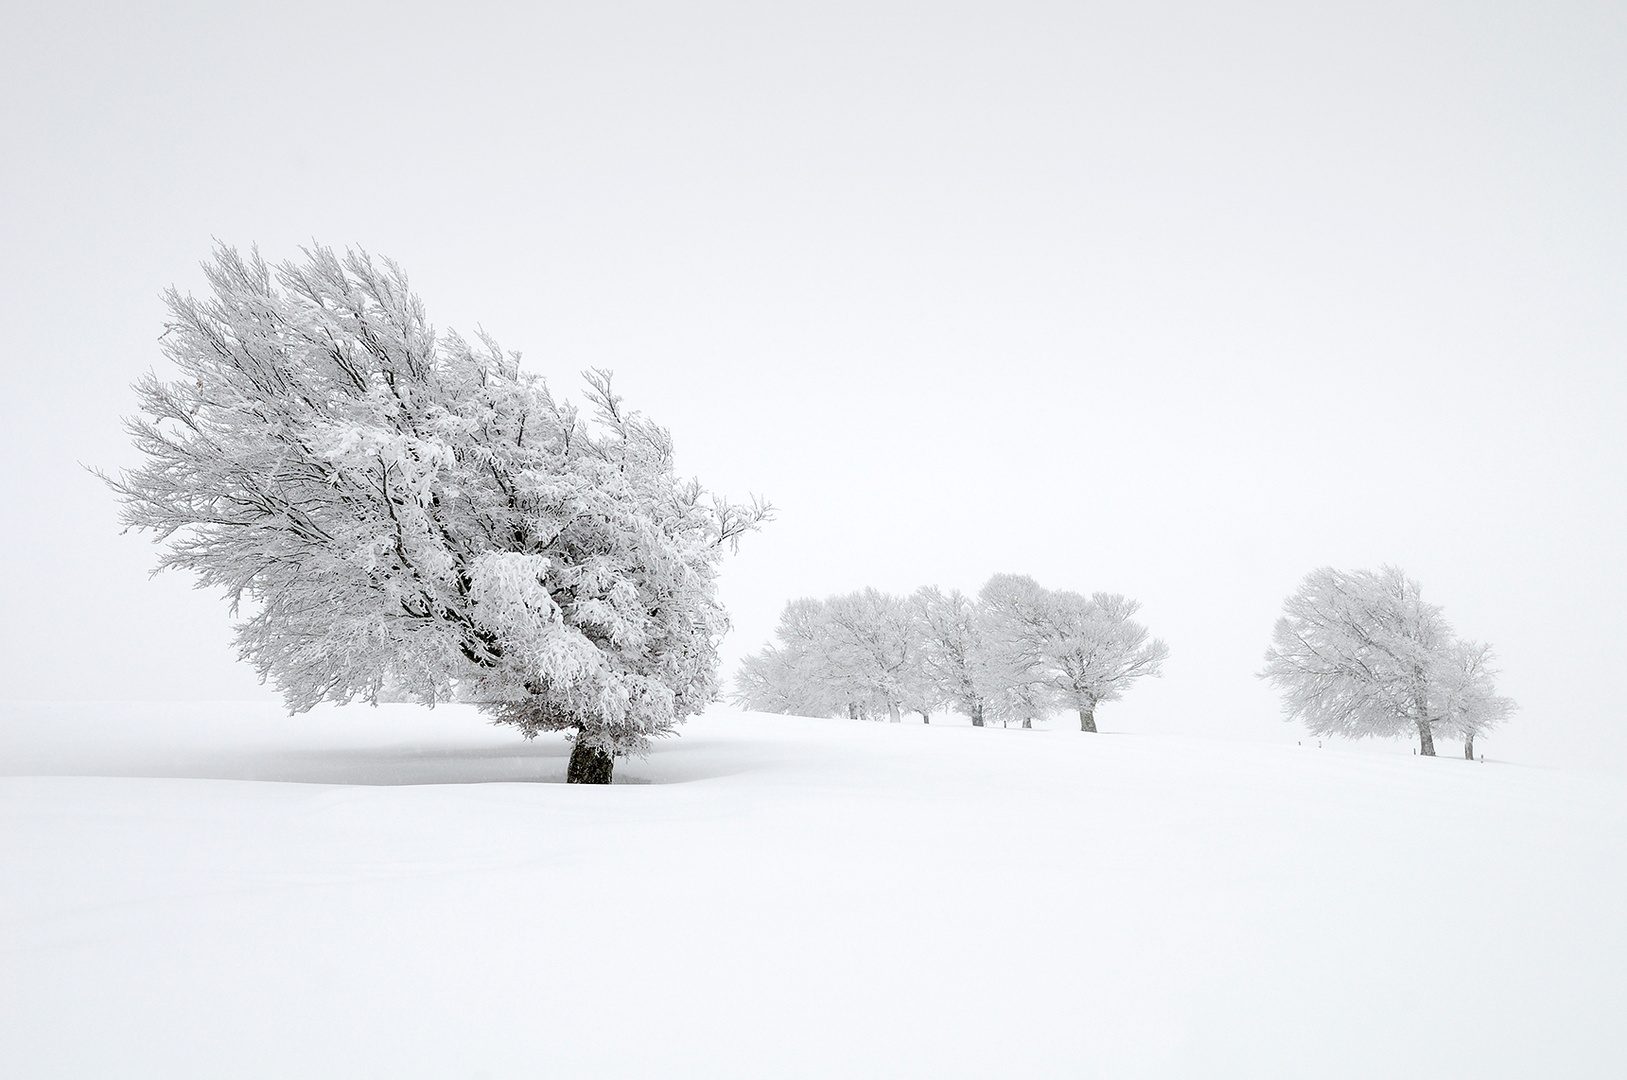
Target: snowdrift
(204, 891)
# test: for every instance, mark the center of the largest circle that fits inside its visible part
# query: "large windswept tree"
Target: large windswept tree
(1362, 653)
(392, 507)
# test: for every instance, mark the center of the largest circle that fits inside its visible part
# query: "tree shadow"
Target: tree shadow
(367, 749)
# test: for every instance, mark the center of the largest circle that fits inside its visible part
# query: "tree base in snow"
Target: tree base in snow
(589, 765)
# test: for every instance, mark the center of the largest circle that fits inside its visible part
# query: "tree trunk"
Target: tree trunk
(1468, 746)
(1028, 723)
(1426, 738)
(852, 711)
(893, 716)
(926, 718)
(589, 765)
(1087, 719)
(977, 717)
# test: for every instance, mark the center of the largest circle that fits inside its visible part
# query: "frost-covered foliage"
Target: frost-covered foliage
(1362, 653)
(1017, 680)
(399, 512)
(789, 677)
(953, 664)
(1472, 704)
(871, 651)
(1015, 655)
(1094, 650)
(859, 653)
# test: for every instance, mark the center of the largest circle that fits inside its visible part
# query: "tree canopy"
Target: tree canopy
(386, 505)
(1361, 653)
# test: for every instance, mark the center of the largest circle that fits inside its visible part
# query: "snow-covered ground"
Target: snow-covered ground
(224, 891)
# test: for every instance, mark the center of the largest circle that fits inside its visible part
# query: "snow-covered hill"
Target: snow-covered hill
(210, 891)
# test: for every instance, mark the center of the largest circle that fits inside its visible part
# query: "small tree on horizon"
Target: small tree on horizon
(1472, 705)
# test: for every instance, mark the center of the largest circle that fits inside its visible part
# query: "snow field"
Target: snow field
(197, 891)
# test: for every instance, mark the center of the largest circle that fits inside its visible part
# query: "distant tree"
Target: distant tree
(1361, 653)
(794, 676)
(1472, 705)
(921, 691)
(1094, 650)
(953, 660)
(769, 682)
(872, 649)
(405, 510)
(1014, 613)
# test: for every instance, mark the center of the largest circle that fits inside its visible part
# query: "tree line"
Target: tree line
(1016, 653)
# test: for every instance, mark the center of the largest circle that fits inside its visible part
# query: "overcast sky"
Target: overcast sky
(1179, 301)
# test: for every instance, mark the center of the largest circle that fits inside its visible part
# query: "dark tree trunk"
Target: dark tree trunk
(589, 765)
(1468, 746)
(1087, 719)
(1028, 723)
(1426, 738)
(852, 711)
(926, 718)
(977, 717)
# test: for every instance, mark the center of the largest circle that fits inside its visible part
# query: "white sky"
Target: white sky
(1165, 300)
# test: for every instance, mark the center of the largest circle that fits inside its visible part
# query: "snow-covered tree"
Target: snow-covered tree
(1362, 653)
(952, 653)
(1013, 613)
(1013, 655)
(872, 650)
(389, 506)
(1472, 704)
(1095, 650)
(859, 654)
(793, 676)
